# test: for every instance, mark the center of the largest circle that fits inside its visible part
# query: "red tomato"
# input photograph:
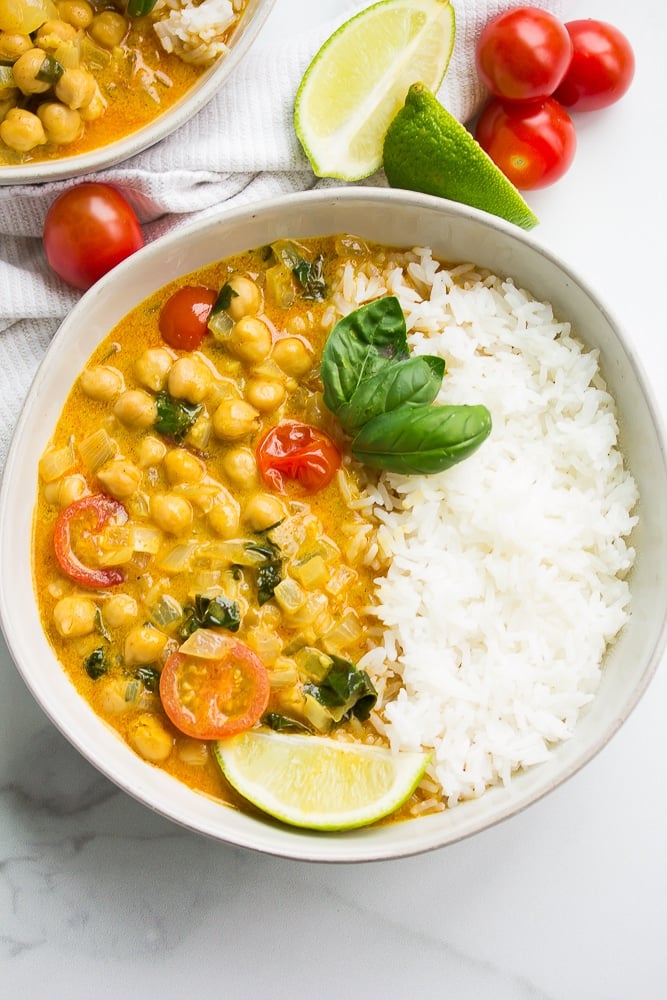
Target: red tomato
(602, 67)
(532, 143)
(89, 229)
(86, 516)
(523, 54)
(184, 317)
(292, 450)
(213, 699)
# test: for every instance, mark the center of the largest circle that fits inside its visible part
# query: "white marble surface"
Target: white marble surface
(568, 901)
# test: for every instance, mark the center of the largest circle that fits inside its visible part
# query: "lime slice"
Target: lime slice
(359, 78)
(317, 782)
(426, 149)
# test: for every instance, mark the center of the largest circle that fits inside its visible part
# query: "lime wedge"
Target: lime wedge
(359, 78)
(426, 149)
(318, 782)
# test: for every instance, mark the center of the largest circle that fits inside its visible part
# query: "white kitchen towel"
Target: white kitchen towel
(241, 147)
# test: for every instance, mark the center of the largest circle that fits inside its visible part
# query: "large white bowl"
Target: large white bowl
(400, 218)
(193, 101)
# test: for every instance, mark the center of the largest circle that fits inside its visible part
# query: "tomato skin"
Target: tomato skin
(523, 54)
(88, 229)
(98, 509)
(184, 317)
(230, 694)
(533, 143)
(292, 450)
(602, 66)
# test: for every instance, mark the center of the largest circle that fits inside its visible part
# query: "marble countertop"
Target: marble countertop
(101, 898)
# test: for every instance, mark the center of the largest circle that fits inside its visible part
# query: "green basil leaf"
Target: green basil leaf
(96, 663)
(283, 724)
(210, 612)
(415, 381)
(345, 689)
(175, 417)
(422, 440)
(360, 345)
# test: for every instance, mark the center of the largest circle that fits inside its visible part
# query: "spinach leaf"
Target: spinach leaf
(361, 345)
(224, 299)
(283, 724)
(96, 663)
(149, 677)
(345, 689)
(174, 416)
(270, 572)
(416, 380)
(422, 440)
(310, 275)
(210, 612)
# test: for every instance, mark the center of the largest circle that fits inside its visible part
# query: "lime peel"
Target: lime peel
(317, 782)
(358, 80)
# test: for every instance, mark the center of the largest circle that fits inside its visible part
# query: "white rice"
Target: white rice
(506, 578)
(195, 31)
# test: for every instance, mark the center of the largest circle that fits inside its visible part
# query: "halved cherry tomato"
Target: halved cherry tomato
(213, 699)
(88, 516)
(523, 54)
(533, 143)
(602, 66)
(89, 229)
(292, 450)
(184, 316)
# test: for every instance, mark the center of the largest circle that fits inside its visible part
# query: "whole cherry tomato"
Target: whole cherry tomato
(292, 450)
(89, 229)
(78, 522)
(602, 66)
(523, 54)
(184, 316)
(533, 143)
(214, 699)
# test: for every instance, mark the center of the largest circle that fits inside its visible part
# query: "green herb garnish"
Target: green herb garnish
(344, 690)
(96, 664)
(174, 416)
(210, 612)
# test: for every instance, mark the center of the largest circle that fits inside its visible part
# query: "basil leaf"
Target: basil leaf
(345, 689)
(422, 440)
(224, 299)
(270, 572)
(174, 416)
(210, 612)
(360, 345)
(96, 664)
(149, 677)
(310, 275)
(282, 723)
(411, 382)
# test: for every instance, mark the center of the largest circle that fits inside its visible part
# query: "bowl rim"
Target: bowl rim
(291, 842)
(190, 104)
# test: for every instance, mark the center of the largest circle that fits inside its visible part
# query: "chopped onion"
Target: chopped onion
(205, 644)
(57, 462)
(177, 559)
(96, 449)
(345, 632)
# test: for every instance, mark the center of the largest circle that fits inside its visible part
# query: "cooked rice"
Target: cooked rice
(506, 574)
(195, 32)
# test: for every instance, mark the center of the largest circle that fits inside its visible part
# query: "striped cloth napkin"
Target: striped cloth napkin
(241, 147)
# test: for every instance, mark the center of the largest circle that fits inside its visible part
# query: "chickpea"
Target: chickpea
(265, 394)
(65, 491)
(171, 513)
(95, 109)
(136, 408)
(25, 71)
(61, 124)
(76, 88)
(75, 616)
(120, 610)
(76, 12)
(263, 510)
(21, 130)
(9, 102)
(13, 45)
(152, 368)
(189, 379)
(181, 466)
(240, 466)
(150, 739)
(53, 33)
(193, 752)
(250, 340)
(114, 695)
(224, 517)
(144, 644)
(235, 419)
(293, 355)
(151, 451)
(248, 298)
(102, 382)
(120, 477)
(108, 29)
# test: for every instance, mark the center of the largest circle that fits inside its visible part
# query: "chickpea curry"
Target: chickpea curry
(78, 74)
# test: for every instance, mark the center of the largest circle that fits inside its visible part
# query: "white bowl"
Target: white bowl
(187, 107)
(394, 217)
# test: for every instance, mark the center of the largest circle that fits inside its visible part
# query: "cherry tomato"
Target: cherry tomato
(532, 143)
(213, 699)
(523, 54)
(85, 517)
(89, 229)
(602, 67)
(184, 317)
(292, 450)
